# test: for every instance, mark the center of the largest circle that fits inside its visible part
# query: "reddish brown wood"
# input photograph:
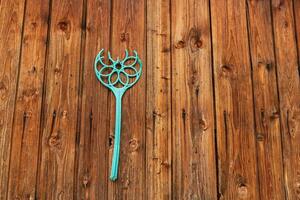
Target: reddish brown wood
(237, 167)
(56, 173)
(26, 126)
(193, 154)
(11, 19)
(128, 32)
(289, 91)
(266, 105)
(297, 26)
(93, 165)
(215, 115)
(158, 124)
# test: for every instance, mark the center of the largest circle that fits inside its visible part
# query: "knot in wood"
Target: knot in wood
(268, 65)
(29, 93)
(180, 44)
(85, 180)
(33, 25)
(64, 114)
(54, 141)
(133, 144)
(275, 114)
(243, 191)
(126, 183)
(32, 70)
(57, 70)
(260, 137)
(111, 140)
(226, 70)
(165, 164)
(27, 114)
(198, 43)
(183, 114)
(2, 85)
(3, 90)
(203, 123)
(285, 24)
(124, 37)
(65, 27)
(226, 67)
(195, 39)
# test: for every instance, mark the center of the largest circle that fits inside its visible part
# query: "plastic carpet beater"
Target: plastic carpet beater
(118, 76)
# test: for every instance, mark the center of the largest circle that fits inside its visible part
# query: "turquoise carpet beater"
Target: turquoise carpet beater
(118, 76)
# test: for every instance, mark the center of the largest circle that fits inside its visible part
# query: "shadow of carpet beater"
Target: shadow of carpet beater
(118, 76)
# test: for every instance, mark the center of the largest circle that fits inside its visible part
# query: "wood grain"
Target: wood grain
(216, 114)
(26, 126)
(297, 27)
(93, 165)
(237, 167)
(56, 173)
(158, 113)
(266, 104)
(128, 32)
(193, 154)
(11, 23)
(289, 91)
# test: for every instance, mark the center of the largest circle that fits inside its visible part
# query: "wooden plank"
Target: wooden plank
(297, 24)
(158, 113)
(93, 159)
(234, 102)
(11, 19)
(193, 154)
(266, 105)
(56, 175)
(128, 32)
(289, 91)
(26, 126)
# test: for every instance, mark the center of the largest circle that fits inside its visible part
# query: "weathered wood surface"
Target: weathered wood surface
(128, 31)
(11, 32)
(237, 161)
(266, 103)
(287, 61)
(60, 106)
(27, 117)
(92, 153)
(158, 97)
(215, 115)
(193, 154)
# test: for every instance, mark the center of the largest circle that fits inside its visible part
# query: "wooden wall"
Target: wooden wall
(215, 115)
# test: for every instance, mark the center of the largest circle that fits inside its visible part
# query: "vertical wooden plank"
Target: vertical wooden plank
(56, 175)
(128, 32)
(289, 91)
(266, 105)
(158, 118)
(297, 24)
(92, 175)
(26, 126)
(193, 154)
(234, 102)
(11, 19)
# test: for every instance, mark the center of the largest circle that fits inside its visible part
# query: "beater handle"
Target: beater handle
(116, 151)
